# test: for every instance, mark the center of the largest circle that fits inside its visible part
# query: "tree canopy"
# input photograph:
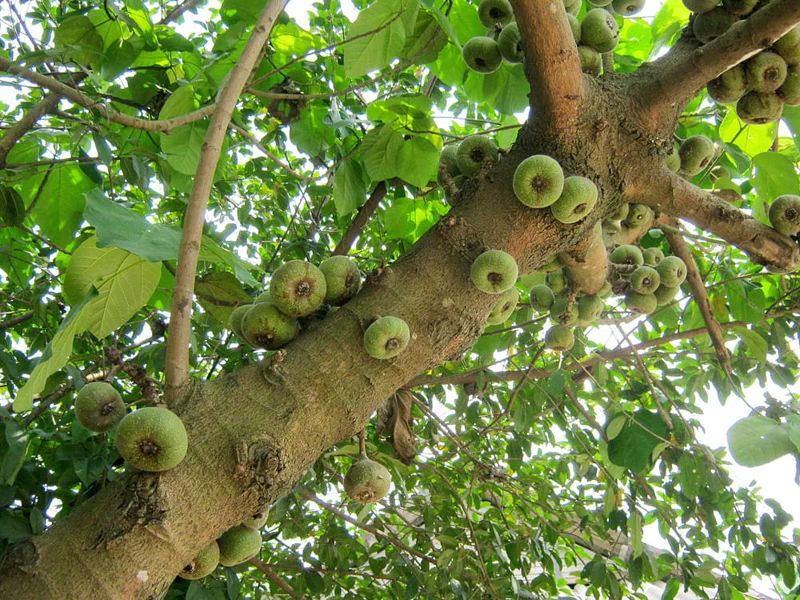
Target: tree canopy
(544, 368)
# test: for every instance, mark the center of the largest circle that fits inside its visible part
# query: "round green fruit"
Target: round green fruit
(575, 26)
(756, 108)
(652, 256)
(237, 545)
(643, 304)
(673, 160)
(482, 54)
(766, 72)
(728, 87)
(664, 295)
(474, 152)
(559, 338)
(708, 26)
(696, 154)
(235, 319)
(386, 338)
(645, 280)
(367, 481)
(700, 6)
(573, 7)
(789, 92)
(621, 212)
(626, 8)
(342, 279)
(152, 439)
(577, 200)
(627, 254)
(637, 215)
(559, 314)
(541, 297)
(672, 271)
(263, 297)
(203, 564)
(297, 288)
(264, 326)
(99, 407)
(495, 11)
(506, 304)
(719, 172)
(788, 47)
(599, 30)
(12, 207)
(591, 61)
(557, 281)
(784, 214)
(510, 44)
(590, 308)
(494, 272)
(538, 181)
(448, 160)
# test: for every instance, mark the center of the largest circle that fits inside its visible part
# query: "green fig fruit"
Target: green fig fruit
(506, 304)
(99, 407)
(342, 279)
(538, 181)
(152, 439)
(599, 30)
(237, 545)
(203, 564)
(264, 326)
(494, 272)
(576, 201)
(367, 481)
(297, 288)
(474, 152)
(559, 338)
(542, 297)
(386, 338)
(482, 54)
(756, 108)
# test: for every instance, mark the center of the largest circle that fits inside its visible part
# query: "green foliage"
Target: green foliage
(515, 469)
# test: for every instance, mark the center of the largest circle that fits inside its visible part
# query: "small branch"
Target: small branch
(673, 80)
(273, 576)
(14, 321)
(138, 375)
(376, 532)
(552, 64)
(25, 124)
(177, 364)
(251, 138)
(679, 198)
(362, 218)
(62, 89)
(179, 10)
(681, 250)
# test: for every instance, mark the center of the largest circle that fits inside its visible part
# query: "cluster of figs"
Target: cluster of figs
(646, 278)
(596, 33)
(299, 289)
(765, 82)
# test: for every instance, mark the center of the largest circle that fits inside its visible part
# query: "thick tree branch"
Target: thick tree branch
(695, 280)
(669, 83)
(179, 10)
(679, 198)
(177, 365)
(552, 64)
(21, 127)
(362, 218)
(273, 576)
(13, 321)
(586, 263)
(62, 89)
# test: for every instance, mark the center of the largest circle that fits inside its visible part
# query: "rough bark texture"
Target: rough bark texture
(252, 434)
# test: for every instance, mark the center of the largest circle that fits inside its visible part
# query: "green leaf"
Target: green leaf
(349, 189)
(219, 293)
(59, 210)
(757, 346)
(426, 41)
(14, 528)
(757, 440)
(120, 56)
(387, 23)
(213, 252)
(380, 149)
(640, 435)
(13, 449)
(310, 133)
(635, 532)
(182, 147)
(124, 282)
(140, 17)
(80, 40)
(775, 175)
(181, 101)
(55, 356)
(751, 139)
(118, 226)
(671, 589)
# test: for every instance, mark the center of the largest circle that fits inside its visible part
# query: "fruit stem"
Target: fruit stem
(362, 443)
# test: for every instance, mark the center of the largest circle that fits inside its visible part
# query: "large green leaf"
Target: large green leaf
(349, 188)
(59, 209)
(218, 294)
(55, 356)
(775, 175)
(633, 446)
(124, 282)
(80, 40)
(387, 24)
(758, 440)
(182, 147)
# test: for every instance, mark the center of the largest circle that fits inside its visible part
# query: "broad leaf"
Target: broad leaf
(757, 440)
